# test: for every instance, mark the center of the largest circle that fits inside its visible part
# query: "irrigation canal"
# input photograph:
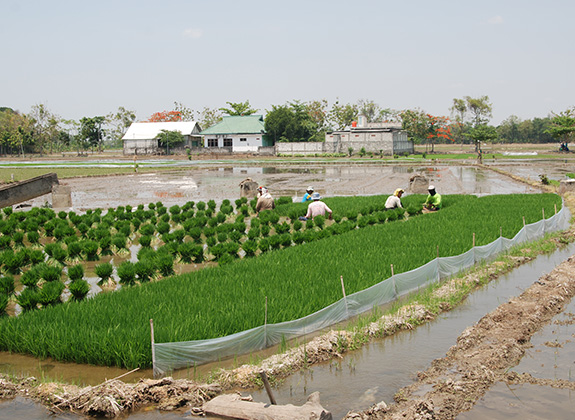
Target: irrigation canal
(375, 372)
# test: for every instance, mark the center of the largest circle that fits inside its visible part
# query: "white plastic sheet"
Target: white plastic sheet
(177, 355)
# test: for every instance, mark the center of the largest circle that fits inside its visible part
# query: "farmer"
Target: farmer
(394, 201)
(307, 195)
(265, 200)
(433, 201)
(317, 207)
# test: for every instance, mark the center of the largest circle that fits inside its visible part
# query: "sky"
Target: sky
(87, 58)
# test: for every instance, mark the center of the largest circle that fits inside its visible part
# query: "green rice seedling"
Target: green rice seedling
(221, 217)
(127, 273)
(275, 241)
(62, 215)
(178, 235)
(51, 293)
(14, 261)
(284, 200)
(309, 224)
(232, 248)
(7, 211)
(167, 238)
(196, 234)
(28, 299)
(286, 240)
(225, 259)
(250, 247)
(298, 238)
(30, 279)
(79, 289)
(104, 271)
(126, 231)
(90, 250)
(244, 211)
(310, 236)
(239, 202)
(18, 238)
(165, 264)
(212, 204)
(297, 225)
(213, 221)
(254, 233)
(198, 254)
(217, 251)
(76, 272)
(83, 228)
(265, 229)
(163, 227)
(5, 242)
(105, 247)
(264, 245)
(165, 218)
(222, 237)
(51, 273)
(136, 224)
(282, 228)
(74, 250)
(146, 254)
(226, 210)
(119, 242)
(352, 215)
(161, 210)
(145, 240)
(147, 229)
(319, 221)
(7, 286)
(253, 204)
(152, 206)
(35, 256)
(145, 270)
(211, 241)
(201, 205)
(33, 237)
(3, 304)
(255, 222)
(175, 209)
(185, 251)
(235, 236)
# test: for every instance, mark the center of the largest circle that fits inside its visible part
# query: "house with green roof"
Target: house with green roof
(245, 133)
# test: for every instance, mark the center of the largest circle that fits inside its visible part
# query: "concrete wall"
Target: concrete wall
(297, 148)
(141, 147)
(251, 143)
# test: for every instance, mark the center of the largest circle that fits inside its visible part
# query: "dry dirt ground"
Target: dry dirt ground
(482, 357)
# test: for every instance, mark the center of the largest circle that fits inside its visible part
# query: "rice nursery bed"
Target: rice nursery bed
(295, 266)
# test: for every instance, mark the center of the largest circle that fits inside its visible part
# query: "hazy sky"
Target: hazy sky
(84, 59)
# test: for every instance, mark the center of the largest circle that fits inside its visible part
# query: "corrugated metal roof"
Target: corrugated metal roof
(149, 130)
(245, 124)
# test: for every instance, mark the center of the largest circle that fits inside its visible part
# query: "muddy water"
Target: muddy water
(551, 357)
(222, 182)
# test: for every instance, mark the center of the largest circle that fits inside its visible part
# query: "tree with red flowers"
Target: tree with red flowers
(166, 116)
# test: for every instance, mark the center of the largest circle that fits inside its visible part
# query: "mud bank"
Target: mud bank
(483, 355)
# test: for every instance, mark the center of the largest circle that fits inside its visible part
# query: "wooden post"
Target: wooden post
(543, 211)
(500, 231)
(393, 279)
(437, 251)
(266, 323)
(473, 239)
(555, 208)
(523, 221)
(342, 287)
(267, 387)
(153, 349)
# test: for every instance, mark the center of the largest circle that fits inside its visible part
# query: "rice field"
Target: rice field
(299, 271)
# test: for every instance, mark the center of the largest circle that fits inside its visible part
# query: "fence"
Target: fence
(169, 356)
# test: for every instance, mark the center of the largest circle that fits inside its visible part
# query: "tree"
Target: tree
(482, 133)
(16, 132)
(91, 133)
(167, 139)
(186, 114)
(290, 123)
(473, 112)
(562, 125)
(414, 122)
(209, 117)
(120, 121)
(239, 108)
(45, 126)
(458, 114)
(165, 116)
(508, 130)
(370, 110)
(317, 111)
(341, 116)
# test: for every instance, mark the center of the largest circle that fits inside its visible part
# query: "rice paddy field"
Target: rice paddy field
(295, 265)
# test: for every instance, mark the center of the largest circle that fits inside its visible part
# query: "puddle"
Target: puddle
(222, 182)
(525, 402)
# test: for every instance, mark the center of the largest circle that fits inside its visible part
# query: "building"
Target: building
(244, 133)
(386, 138)
(141, 138)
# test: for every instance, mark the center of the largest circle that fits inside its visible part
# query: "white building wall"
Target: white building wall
(251, 144)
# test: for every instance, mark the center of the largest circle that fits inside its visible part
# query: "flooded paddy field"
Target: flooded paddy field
(366, 376)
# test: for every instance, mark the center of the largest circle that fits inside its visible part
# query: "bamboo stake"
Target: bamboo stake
(437, 251)
(473, 239)
(342, 287)
(266, 324)
(523, 221)
(555, 208)
(153, 348)
(393, 279)
(543, 211)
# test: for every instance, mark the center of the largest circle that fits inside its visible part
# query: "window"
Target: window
(212, 142)
(243, 139)
(227, 142)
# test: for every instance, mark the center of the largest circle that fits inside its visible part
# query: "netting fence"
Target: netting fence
(176, 355)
